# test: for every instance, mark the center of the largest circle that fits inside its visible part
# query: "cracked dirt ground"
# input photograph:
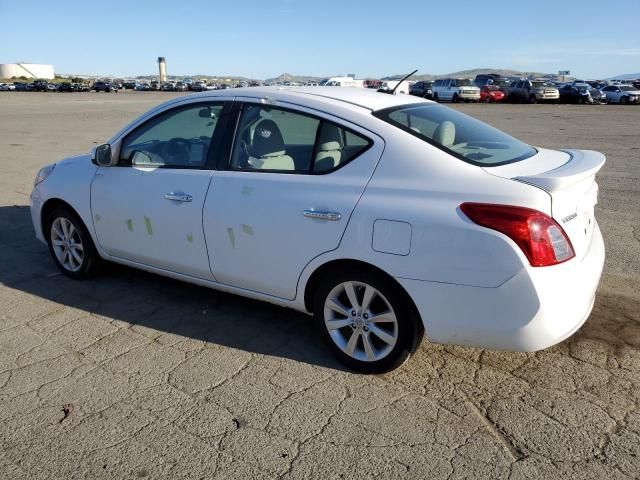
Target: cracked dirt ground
(132, 375)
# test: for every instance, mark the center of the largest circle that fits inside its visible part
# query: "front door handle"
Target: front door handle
(311, 213)
(178, 196)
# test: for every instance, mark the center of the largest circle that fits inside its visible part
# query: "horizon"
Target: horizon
(260, 42)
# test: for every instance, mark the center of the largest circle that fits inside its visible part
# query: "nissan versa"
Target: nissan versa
(387, 217)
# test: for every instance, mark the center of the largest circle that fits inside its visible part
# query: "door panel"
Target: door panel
(257, 233)
(149, 208)
(136, 222)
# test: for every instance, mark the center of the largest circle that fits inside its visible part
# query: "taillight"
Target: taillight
(539, 236)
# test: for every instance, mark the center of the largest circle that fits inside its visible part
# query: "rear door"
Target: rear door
(285, 195)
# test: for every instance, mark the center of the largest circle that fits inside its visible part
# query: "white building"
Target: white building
(29, 70)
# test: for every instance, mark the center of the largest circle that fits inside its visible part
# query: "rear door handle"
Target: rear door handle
(320, 215)
(178, 196)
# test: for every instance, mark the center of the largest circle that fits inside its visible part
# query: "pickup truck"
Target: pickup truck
(532, 91)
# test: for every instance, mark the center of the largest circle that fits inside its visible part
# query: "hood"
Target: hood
(70, 161)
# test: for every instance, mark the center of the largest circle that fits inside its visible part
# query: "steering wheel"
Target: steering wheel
(176, 151)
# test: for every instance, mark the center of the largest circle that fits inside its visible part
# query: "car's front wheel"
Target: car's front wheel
(70, 244)
(367, 320)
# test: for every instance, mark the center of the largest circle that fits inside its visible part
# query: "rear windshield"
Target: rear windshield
(462, 136)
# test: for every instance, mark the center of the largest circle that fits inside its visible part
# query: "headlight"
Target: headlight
(44, 173)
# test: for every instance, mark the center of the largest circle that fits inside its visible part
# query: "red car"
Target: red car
(491, 93)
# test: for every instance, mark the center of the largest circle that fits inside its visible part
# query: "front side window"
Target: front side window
(458, 134)
(278, 140)
(178, 138)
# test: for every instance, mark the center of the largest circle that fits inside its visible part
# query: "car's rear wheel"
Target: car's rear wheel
(70, 244)
(454, 99)
(533, 99)
(366, 320)
(623, 100)
(435, 97)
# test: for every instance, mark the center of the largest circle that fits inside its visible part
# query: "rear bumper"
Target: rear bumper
(535, 309)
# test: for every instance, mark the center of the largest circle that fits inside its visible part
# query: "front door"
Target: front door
(148, 209)
(285, 197)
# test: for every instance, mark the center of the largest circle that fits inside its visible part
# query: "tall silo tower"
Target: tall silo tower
(162, 67)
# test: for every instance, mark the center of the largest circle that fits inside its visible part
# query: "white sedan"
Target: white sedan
(384, 216)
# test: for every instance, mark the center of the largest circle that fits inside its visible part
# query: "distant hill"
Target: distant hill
(626, 76)
(472, 74)
(425, 76)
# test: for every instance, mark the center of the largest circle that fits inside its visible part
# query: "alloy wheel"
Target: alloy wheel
(67, 244)
(360, 321)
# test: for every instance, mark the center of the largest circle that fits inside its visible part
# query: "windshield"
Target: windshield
(542, 84)
(627, 88)
(458, 134)
(464, 83)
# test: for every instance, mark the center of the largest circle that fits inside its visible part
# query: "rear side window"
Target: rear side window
(458, 134)
(280, 140)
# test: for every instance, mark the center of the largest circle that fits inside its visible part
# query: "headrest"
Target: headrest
(445, 134)
(330, 138)
(267, 140)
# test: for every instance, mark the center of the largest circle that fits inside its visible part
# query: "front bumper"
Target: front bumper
(535, 309)
(36, 203)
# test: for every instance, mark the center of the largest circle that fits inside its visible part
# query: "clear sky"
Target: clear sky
(261, 39)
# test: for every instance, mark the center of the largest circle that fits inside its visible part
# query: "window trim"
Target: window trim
(211, 154)
(381, 114)
(224, 164)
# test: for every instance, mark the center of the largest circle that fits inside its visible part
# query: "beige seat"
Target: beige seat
(268, 151)
(445, 134)
(329, 153)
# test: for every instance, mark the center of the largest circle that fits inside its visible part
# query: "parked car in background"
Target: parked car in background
(51, 87)
(168, 86)
(622, 94)
(532, 91)
(575, 94)
(455, 90)
(143, 87)
(65, 87)
(422, 89)
(198, 86)
(483, 79)
(5, 87)
(105, 87)
(370, 83)
(40, 85)
(181, 87)
(400, 87)
(491, 94)
(345, 82)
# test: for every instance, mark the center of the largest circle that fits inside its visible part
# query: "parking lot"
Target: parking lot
(131, 375)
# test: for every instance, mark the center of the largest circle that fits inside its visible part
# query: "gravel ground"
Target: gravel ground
(132, 375)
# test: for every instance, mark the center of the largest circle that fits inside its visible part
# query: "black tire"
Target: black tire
(435, 97)
(623, 100)
(409, 332)
(454, 99)
(90, 258)
(533, 99)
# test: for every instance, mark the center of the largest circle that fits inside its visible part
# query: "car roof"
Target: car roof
(352, 96)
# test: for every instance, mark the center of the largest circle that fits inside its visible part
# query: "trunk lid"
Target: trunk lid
(569, 178)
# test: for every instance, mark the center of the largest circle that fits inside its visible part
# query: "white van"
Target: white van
(391, 84)
(344, 82)
(455, 90)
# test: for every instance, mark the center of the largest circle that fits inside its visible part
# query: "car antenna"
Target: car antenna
(393, 92)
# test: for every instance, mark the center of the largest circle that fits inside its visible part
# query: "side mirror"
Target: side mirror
(102, 155)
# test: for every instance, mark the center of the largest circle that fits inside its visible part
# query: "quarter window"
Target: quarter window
(178, 138)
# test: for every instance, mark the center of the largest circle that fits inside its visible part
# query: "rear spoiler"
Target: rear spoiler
(581, 165)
